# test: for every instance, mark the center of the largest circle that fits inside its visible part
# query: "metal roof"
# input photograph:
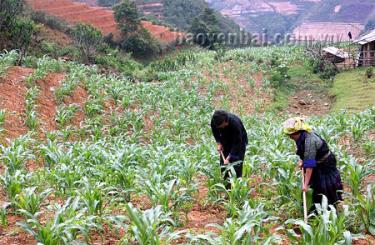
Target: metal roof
(336, 52)
(366, 38)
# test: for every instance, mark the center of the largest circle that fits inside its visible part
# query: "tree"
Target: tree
(127, 17)
(22, 31)
(9, 9)
(87, 39)
(141, 43)
(205, 29)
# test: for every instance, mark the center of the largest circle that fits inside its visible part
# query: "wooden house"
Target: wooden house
(367, 49)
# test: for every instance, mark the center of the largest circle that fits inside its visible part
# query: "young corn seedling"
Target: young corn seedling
(3, 218)
(67, 225)
(356, 173)
(65, 114)
(15, 156)
(366, 209)
(30, 201)
(13, 183)
(94, 106)
(150, 226)
(92, 197)
(2, 118)
(237, 195)
(327, 227)
(248, 228)
(7, 59)
(168, 194)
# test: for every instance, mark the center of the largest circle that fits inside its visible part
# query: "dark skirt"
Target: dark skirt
(326, 181)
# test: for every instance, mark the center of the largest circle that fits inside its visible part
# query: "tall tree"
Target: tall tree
(127, 17)
(9, 9)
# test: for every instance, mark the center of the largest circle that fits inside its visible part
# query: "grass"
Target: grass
(353, 90)
(301, 78)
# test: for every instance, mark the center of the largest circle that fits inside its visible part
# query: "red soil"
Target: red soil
(46, 102)
(12, 99)
(99, 17)
(78, 97)
(201, 215)
(12, 234)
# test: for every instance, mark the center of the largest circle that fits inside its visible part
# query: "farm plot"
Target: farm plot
(141, 166)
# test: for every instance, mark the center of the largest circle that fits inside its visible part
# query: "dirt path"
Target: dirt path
(309, 103)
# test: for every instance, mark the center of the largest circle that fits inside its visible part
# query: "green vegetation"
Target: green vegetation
(141, 165)
(87, 38)
(15, 30)
(181, 13)
(353, 90)
(135, 38)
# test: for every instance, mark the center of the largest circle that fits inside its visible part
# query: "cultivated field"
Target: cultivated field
(102, 159)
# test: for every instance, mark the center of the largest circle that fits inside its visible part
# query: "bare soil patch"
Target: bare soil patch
(46, 102)
(78, 97)
(12, 99)
(309, 103)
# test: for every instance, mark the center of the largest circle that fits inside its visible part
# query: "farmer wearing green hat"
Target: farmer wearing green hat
(317, 161)
(231, 139)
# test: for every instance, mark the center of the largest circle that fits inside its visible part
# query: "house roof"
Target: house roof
(366, 38)
(336, 52)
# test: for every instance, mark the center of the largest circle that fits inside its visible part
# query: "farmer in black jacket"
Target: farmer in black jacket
(231, 139)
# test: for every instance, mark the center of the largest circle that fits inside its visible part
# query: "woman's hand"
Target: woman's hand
(226, 161)
(219, 147)
(305, 188)
(300, 163)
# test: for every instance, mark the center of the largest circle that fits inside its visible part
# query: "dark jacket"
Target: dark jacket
(233, 137)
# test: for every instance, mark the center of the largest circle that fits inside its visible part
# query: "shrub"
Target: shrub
(87, 39)
(370, 72)
(141, 43)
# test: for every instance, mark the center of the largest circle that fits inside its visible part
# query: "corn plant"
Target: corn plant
(327, 227)
(15, 156)
(30, 201)
(92, 197)
(248, 228)
(94, 106)
(7, 59)
(3, 218)
(13, 183)
(237, 195)
(150, 226)
(68, 223)
(67, 87)
(366, 209)
(356, 173)
(2, 118)
(65, 114)
(168, 194)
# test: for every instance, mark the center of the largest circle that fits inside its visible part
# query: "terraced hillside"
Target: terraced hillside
(309, 18)
(101, 18)
(327, 31)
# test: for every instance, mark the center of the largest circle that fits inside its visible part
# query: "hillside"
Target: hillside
(293, 16)
(99, 17)
(177, 13)
(95, 158)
